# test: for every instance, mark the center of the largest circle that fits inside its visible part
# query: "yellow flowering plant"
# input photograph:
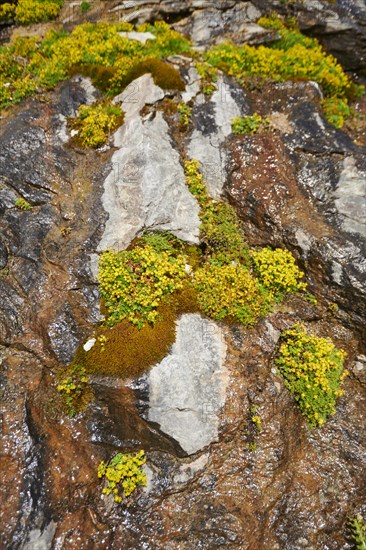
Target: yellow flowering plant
(277, 270)
(312, 369)
(96, 46)
(230, 291)
(123, 474)
(94, 123)
(133, 283)
(73, 386)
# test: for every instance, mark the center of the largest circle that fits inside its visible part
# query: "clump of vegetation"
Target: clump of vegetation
(99, 75)
(277, 270)
(22, 204)
(292, 56)
(256, 419)
(221, 234)
(94, 123)
(209, 76)
(165, 75)
(230, 292)
(185, 112)
(312, 369)
(27, 12)
(358, 530)
(123, 473)
(248, 124)
(75, 388)
(127, 350)
(336, 110)
(90, 47)
(85, 6)
(133, 283)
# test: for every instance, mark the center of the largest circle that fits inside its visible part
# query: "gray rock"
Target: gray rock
(3, 255)
(41, 539)
(350, 196)
(142, 37)
(213, 125)
(146, 188)
(187, 389)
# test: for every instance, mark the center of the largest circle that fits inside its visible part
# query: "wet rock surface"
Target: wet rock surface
(213, 481)
(187, 389)
(301, 166)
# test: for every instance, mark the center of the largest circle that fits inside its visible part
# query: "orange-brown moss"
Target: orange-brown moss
(98, 74)
(128, 351)
(164, 75)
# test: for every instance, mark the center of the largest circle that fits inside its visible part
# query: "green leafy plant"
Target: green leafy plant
(249, 124)
(75, 388)
(291, 56)
(209, 77)
(357, 526)
(336, 110)
(185, 112)
(27, 12)
(312, 369)
(22, 204)
(94, 123)
(85, 6)
(256, 419)
(123, 474)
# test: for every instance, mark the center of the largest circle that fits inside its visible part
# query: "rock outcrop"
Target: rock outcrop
(213, 479)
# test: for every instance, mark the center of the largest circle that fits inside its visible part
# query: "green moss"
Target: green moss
(312, 369)
(85, 6)
(99, 75)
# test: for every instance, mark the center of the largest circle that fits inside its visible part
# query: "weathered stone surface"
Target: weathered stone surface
(212, 119)
(298, 184)
(293, 188)
(146, 188)
(142, 37)
(187, 389)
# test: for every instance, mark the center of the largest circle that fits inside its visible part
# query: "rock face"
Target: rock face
(146, 188)
(302, 185)
(187, 389)
(213, 480)
(212, 125)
